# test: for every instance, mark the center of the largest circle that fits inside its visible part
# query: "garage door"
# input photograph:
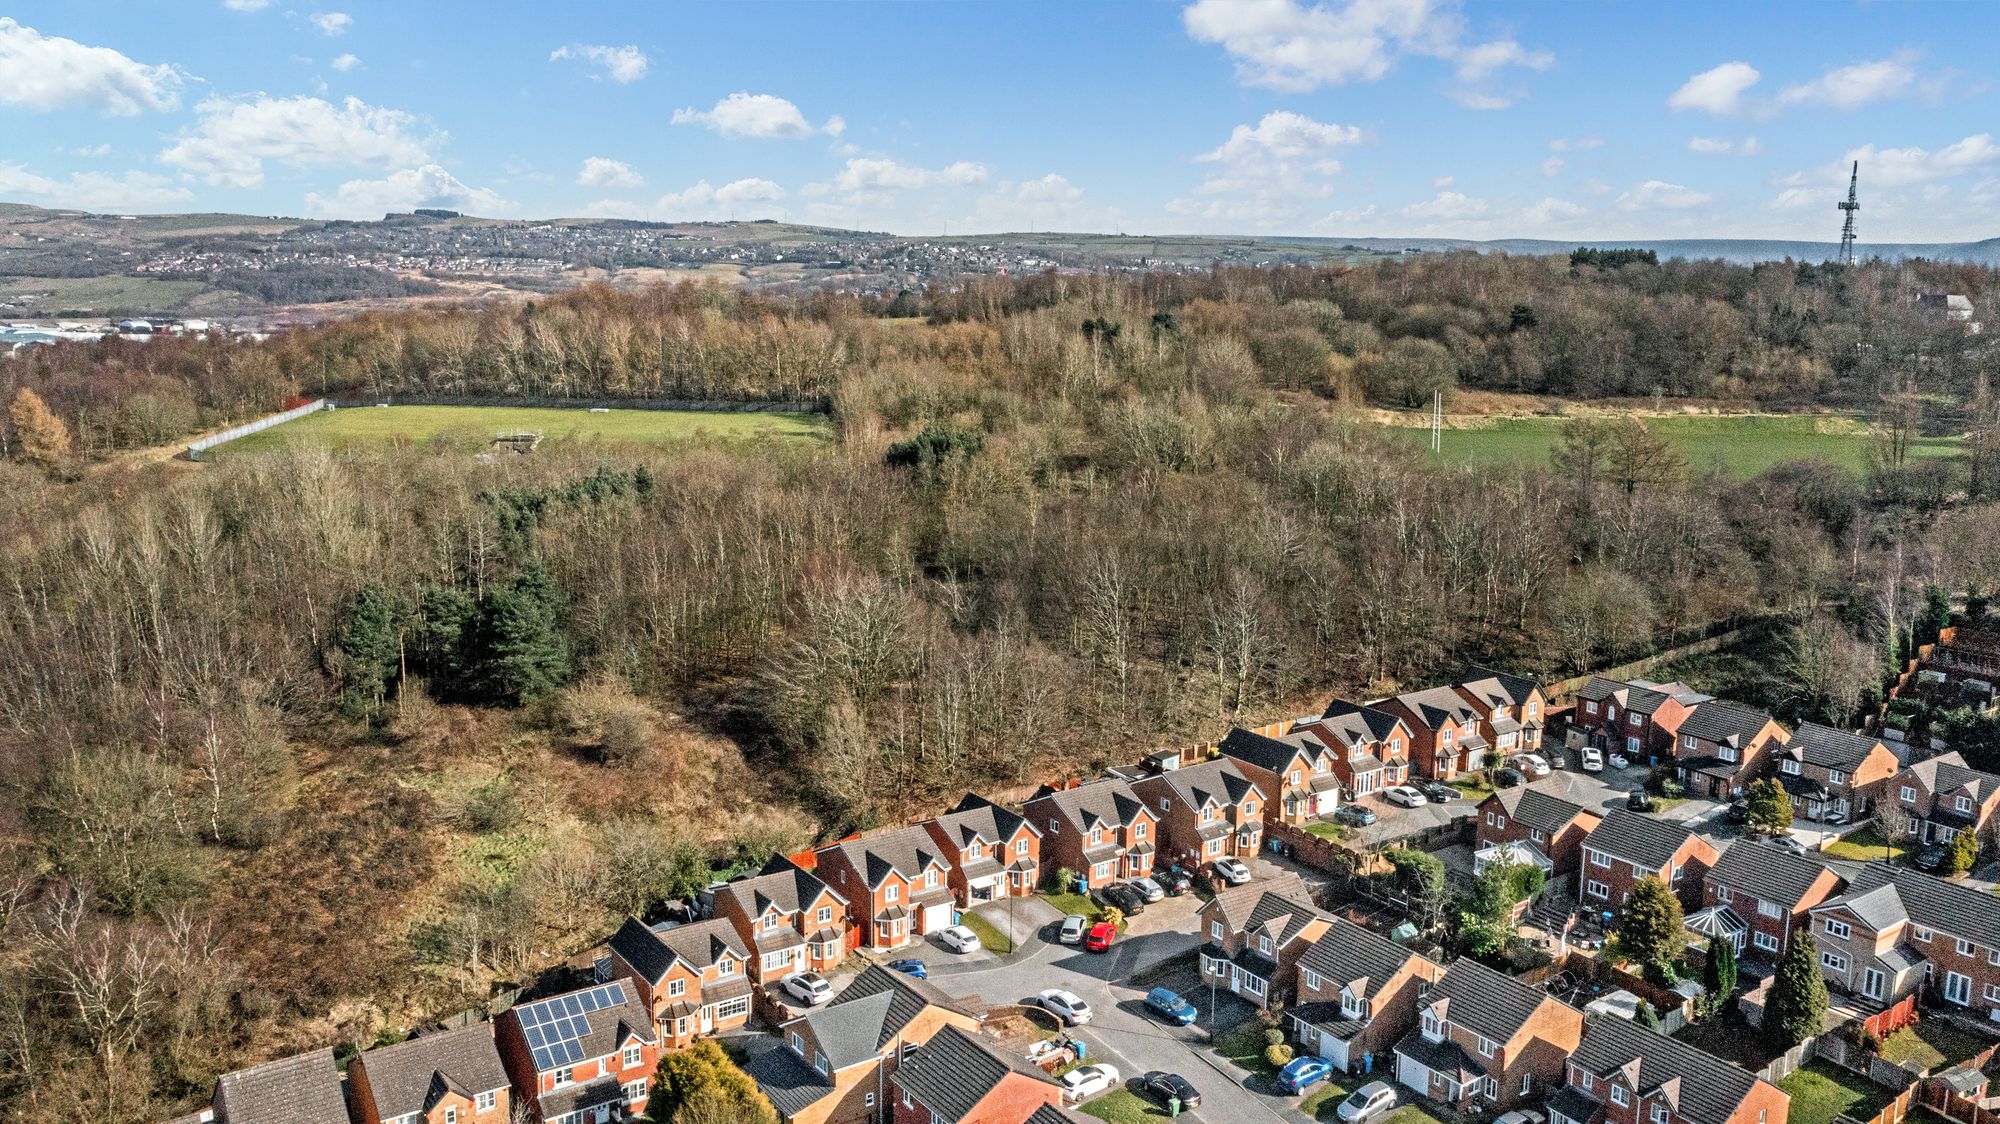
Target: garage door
(936, 917)
(1413, 1073)
(1334, 1050)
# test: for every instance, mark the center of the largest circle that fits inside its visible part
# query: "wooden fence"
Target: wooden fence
(1723, 639)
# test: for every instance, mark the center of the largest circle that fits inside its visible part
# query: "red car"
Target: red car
(1100, 937)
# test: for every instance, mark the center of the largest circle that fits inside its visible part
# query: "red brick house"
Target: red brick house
(1101, 829)
(897, 885)
(1206, 811)
(1295, 773)
(993, 853)
(694, 979)
(1637, 718)
(1626, 1074)
(1629, 846)
(301, 1089)
(787, 918)
(959, 1077)
(1514, 711)
(1721, 747)
(1371, 747)
(1894, 929)
(1942, 797)
(1255, 937)
(584, 1057)
(1445, 737)
(1831, 772)
(1487, 1042)
(1769, 892)
(1550, 824)
(1357, 994)
(450, 1077)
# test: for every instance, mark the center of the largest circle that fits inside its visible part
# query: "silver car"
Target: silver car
(1152, 890)
(1072, 929)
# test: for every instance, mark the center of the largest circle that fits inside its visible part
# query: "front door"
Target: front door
(707, 1019)
(1235, 978)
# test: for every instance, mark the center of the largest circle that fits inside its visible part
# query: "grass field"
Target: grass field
(1742, 446)
(473, 427)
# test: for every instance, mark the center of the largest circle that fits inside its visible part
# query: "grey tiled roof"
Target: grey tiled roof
(792, 1085)
(606, 1028)
(1109, 803)
(1638, 837)
(1829, 748)
(1438, 705)
(1628, 695)
(1050, 1114)
(1485, 1002)
(1884, 892)
(1947, 774)
(1255, 906)
(1347, 952)
(1504, 687)
(981, 819)
(1722, 721)
(302, 1089)
(955, 1070)
(1710, 1088)
(1219, 781)
(652, 951)
(1540, 810)
(1256, 749)
(908, 851)
(788, 887)
(409, 1076)
(1766, 872)
(869, 1012)
(1358, 725)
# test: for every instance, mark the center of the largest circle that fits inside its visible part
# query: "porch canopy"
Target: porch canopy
(1718, 921)
(1524, 854)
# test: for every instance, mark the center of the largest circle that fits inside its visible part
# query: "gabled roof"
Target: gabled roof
(1631, 697)
(589, 1022)
(1726, 723)
(869, 1013)
(977, 818)
(908, 851)
(1255, 749)
(1484, 1001)
(1947, 775)
(653, 951)
(1347, 952)
(1766, 872)
(791, 1084)
(1050, 1114)
(411, 1076)
(1829, 748)
(1636, 837)
(1357, 726)
(783, 884)
(1109, 803)
(956, 1069)
(1543, 811)
(1709, 1089)
(302, 1089)
(1218, 781)
(1434, 707)
(1278, 907)
(1504, 687)
(1881, 895)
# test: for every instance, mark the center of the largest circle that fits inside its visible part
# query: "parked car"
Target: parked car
(1126, 899)
(1620, 761)
(1522, 1116)
(1089, 1080)
(1148, 888)
(1835, 817)
(1170, 1086)
(1739, 811)
(1065, 1005)
(1368, 1102)
(1438, 792)
(1790, 844)
(1554, 756)
(1508, 778)
(1532, 764)
(1591, 759)
(1169, 1005)
(1072, 929)
(1354, 815)
(1409, 796)
(1100, 937)
(1640, 801)
(1231, 871)
(958, 938)
(911, 967)
(1929, 857)
(1174, 881)
(1301, 1074)
(809, 988)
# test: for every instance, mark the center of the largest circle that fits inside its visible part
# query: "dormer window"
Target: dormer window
(1619, 1096)
(930, 877)
(1096, 836)
(1726, 752)
(1264, 945)
(1350, 1005)
(1207, 814)
(725, 966)
(771, 921)
(1433, 1026)
(1791, 766)
(630, 1057)
(977, 850)
(1964, 804)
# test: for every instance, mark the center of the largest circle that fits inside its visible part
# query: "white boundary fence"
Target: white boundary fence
(196, 448)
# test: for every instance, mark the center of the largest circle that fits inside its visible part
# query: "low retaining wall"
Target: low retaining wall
(200, 445)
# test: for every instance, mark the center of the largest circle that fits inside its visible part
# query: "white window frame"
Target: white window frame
(485, 1101)
(1618, 1095)
(632, 1055)
(636, 1089)
(1595, 889)
(1764, 940)
(1771, 910)
(1908, 795)
(1832, 961)
(1837, 929)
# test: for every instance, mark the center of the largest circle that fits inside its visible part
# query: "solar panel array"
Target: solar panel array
(555, 1027)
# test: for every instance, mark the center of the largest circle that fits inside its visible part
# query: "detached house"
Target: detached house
(1894, 929)
(1722, 747)
(1637, 718)
(1358, 994)
(1767, 895)
(693, 979)
(1371, 747)
(896, 884)
(1943, 797)
(1206, 811)
(302, 1089)
(581, 1058)
(992, 852)
(1295, 773)
(1629, 846)
(790, 921)
(1832, 773)
(1256, 935)
(959, 1077)
(1553, 826)
(1444, 731)
(1101, 829)
(451, 1077)
(1513, 709)
(1487, 1041)
(1626, 1074)
(835, 1064)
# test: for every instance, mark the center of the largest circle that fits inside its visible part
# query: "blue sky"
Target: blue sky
(1346, 117)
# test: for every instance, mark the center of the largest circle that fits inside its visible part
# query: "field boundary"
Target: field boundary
(200, 445)
(673, 405)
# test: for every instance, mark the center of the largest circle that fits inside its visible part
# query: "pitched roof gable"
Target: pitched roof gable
(908, 851)
(653, 951)
(976, 818)
(1766, 872)
(1218, 781)
(788, 887)
(1356, 725)
(1438, 705)
(1882, 895)
(1726, 723)
(1485, 1002)
(302, 1089)
(869, 1013)
(1109, 802)
(1543, 811)
(1706, 1089)
(1829, 748)
(1515, 690)
(1636, 837)
(1347, 952)
(1268, 754)
(408, 1076)
(956, 1069)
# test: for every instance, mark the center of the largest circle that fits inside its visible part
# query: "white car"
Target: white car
(1533, 764)
(1406, 795)
(1089, 1080)
(1232, 871)
(1522, 1116)
(958, 938)
(1592, 759)
(1065, 1005)
(809, 988)
(1367, 1102)
(1620, 761)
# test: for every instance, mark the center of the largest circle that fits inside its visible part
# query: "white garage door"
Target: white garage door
(936, 917)
(1334, 1050)
(1412, 1073)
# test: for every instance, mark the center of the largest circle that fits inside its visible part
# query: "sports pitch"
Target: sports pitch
(474, 427)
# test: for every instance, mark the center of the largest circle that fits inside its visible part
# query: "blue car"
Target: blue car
(1170, 1006)
(1355, 815)
(1303, 1073)
(911, 968)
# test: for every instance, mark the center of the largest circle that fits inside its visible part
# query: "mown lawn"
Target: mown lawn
(1931, 1044)
(1323, 1103)
(1865, 845)
(473, 427)
(1325, 830)
(1821, 1092)
(990, 938)
(1245, 1046)
(1123, 1106)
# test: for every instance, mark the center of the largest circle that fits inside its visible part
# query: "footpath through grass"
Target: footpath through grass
(472, 428)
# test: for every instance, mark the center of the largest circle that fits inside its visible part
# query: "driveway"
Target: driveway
(1021, 920)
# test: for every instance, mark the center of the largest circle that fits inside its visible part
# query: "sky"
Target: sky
(1385, 118)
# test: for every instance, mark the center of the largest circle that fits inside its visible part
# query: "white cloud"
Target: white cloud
(1718, 91)
(1268, 168)
(1444, 181)
(1048, 203)
(90, 150)
(1658, 195)
(1723, 146)
(1447, 206)
(410, 188)
(345, 63)
(765, 116)
(1902, 167)
(621, 64)
(600, 171)
(49, 72)
(872, 173)
(739, 199)
(1578, 144)
(1553, 166)
(1284, 45)
(234, 138)
(331, 24)
(95, 191)
(246, 5)
(1551, 212)
(1851, 87)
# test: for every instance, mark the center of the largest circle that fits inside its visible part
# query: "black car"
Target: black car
(1640, 801)
(1437, 792)
(1166, 1086)
(1174, 881)
(1507, 778)
(1929, 858)
(1739, 812)
(1127, 899)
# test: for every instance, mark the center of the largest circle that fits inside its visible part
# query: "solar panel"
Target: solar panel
(555, 1026)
